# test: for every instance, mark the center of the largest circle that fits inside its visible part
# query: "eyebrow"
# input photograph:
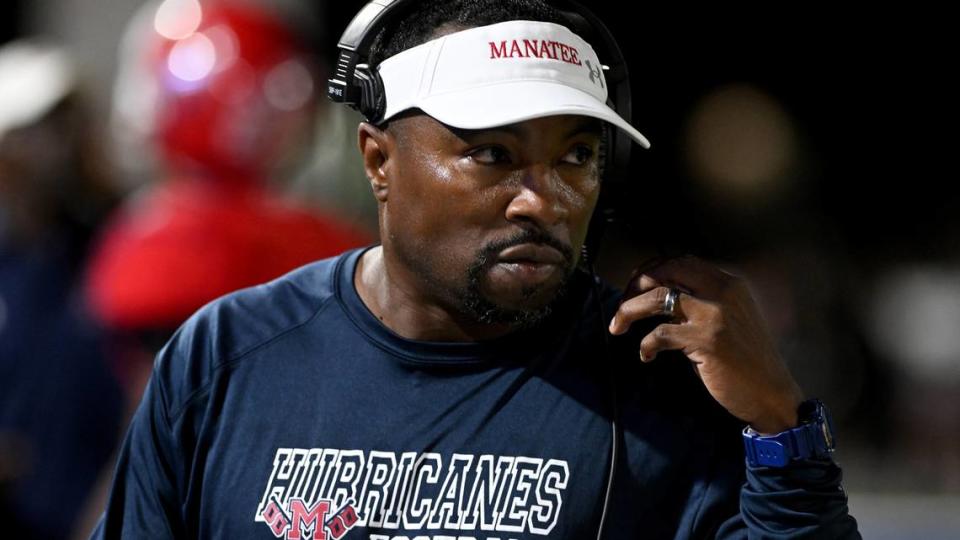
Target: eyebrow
(587, 124)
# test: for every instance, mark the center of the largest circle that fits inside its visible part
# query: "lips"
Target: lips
(531, 253)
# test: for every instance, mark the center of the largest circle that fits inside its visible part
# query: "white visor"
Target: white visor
(501, 74)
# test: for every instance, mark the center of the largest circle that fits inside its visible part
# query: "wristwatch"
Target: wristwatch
(812, 439)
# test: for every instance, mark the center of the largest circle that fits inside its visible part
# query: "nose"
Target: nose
(539, 198)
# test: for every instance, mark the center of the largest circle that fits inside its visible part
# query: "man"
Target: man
(464, 379)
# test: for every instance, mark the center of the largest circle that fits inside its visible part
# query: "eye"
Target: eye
(579, 155)
(490, 155)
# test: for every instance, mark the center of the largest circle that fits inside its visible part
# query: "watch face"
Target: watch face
(813, 411)
(827, 426)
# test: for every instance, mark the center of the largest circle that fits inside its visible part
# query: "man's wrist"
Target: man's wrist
(783, 418)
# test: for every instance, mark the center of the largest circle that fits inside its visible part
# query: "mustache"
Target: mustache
(526, 236)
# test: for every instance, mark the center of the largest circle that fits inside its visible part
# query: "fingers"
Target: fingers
(690, 273)
(642, 283)
(665, 337)
(634, 284)
(650, 304)
(641, 306)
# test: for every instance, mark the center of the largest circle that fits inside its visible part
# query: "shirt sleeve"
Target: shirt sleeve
(803, 500)
(144, 498)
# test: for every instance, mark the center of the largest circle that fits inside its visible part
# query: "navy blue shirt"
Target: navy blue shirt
(289, 411)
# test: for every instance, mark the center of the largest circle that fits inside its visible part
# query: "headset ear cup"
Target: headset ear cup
(610, 174)
(372, 96)
(603, 154)
(599, 218)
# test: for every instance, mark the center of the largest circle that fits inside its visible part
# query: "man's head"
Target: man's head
(487, 218)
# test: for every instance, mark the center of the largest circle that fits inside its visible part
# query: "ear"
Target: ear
(376, 146)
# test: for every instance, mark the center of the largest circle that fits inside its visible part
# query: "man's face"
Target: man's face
(490, 222)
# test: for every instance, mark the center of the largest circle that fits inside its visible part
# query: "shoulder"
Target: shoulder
(227, 329)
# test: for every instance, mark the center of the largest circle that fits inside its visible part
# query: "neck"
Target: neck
(391, 293)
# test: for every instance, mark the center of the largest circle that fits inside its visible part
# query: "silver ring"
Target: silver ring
(670, 301)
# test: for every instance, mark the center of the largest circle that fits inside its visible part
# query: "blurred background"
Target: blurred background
(807, 150)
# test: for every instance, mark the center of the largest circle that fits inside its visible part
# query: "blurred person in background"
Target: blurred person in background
(60, 405)
(223, 94)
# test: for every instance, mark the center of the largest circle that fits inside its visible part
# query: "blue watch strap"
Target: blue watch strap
(811, 440)
(778, 450)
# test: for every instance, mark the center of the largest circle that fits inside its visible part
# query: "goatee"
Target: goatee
(476, 305)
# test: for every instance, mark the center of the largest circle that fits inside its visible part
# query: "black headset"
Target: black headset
(357, 85)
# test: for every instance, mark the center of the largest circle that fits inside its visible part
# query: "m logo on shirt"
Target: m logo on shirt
(322, 493)
(295, 519)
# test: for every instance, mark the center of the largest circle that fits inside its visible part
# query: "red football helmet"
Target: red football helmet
(235, 89)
